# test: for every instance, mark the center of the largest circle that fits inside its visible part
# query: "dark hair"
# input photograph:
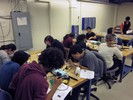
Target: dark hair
(76, 48)
(72, 35)
(11, 46)
(127, 18)
(48, 38)
(88, 28)
(81, 37)
(3, 47)
(65, 37)
(20, 57)
(51, 58)
(109, 30)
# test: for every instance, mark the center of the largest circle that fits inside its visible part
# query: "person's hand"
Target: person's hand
(70, 63)
(90, 38)
(57, 81)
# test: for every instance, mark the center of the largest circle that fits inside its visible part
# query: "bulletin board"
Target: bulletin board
(88, 21)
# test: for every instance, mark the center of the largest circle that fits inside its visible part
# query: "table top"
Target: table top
(121, 36)
(125, 49)
(72, 82)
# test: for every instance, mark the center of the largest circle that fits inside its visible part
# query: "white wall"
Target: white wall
(60, 18)
(104, 13)
(39, 23)
(124, 10)
(5, 25)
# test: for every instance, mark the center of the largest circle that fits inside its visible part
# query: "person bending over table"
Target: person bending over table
(30, 83)
(87, 59)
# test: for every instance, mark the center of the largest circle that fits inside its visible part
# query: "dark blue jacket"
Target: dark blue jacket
(6, 74)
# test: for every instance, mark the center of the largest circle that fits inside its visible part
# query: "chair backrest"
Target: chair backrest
(4, 95)
(99, 56)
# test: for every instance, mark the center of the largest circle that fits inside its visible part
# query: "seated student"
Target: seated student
(86, 59)
(11, 67)
(68, 40)
(81, 41)
(30, 83)
(51, 42)
(6, 53)
(90, 35)
(111, 31)
(108, 51)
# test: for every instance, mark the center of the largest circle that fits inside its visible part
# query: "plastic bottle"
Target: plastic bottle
(77, 71)
(130, 47)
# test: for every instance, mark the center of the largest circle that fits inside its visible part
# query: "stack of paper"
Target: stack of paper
(86, 74)
(61, 92)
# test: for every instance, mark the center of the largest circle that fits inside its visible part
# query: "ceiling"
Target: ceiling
(107, 1)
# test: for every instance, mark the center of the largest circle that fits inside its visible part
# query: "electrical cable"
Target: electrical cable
(2, 34)
(16, 5)
(8, 30)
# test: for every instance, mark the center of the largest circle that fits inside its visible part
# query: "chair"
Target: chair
(108, 75)
(4, 95)
(98, 75)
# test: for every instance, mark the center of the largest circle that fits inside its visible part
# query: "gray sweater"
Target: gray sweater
(90, 61)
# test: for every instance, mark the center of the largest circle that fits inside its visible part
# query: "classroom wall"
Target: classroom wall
(104, 13)
(5, 24)
(124, 10)
(55, 18)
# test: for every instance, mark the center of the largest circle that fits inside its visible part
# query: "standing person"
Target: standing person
(125, 26)
(9, 68)
(5, 54)
(90, 35)
(30, 83)
(51, 42)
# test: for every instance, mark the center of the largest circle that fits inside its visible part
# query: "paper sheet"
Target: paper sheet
(86, 74)
(61, 92)
(21, 20)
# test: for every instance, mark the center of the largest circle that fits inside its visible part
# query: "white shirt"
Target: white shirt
(108, 52)
(3, 57)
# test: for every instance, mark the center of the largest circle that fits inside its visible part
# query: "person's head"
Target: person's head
(88, 29)
(110, 30)
(109, 39)
(72, 35)
(48, 40)
(127, 18)
(10, 48)
(76, 51)
(81, 37)
(20, 57)
(51, 58)
(66, 37)
(3, 47)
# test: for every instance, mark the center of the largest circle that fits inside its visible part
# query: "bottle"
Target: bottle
(130, 47)
(77, 71)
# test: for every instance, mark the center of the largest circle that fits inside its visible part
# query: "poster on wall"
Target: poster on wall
(88, 21)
